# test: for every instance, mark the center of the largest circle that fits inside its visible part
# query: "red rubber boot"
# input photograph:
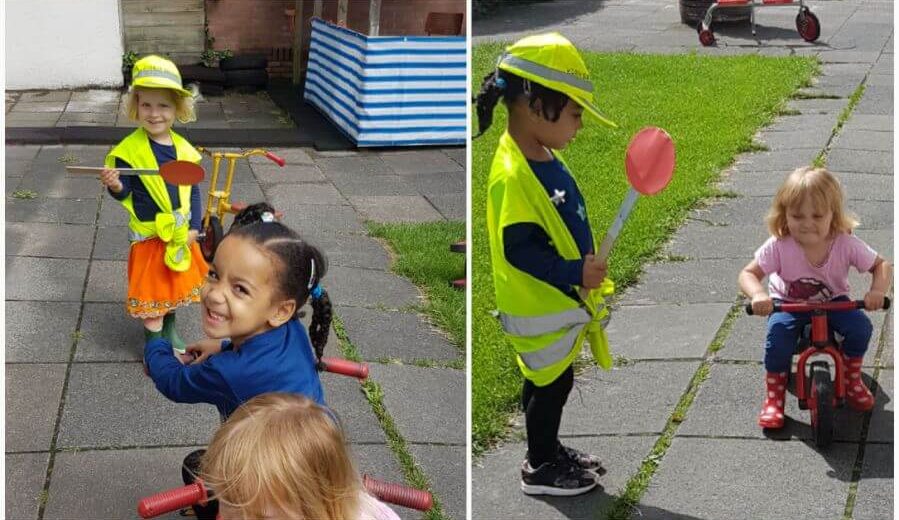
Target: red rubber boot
(857, 394)
(772, 414)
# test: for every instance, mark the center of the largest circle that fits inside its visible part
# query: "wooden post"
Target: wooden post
(317, 8)
(298, 38)
(341, 12)
(374, 17)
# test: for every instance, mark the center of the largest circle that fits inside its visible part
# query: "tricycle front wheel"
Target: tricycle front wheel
(821, 404)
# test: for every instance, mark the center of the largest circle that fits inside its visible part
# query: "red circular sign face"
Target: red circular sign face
(649, 160)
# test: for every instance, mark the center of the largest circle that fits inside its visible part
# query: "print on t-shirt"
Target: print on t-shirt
(809, 289)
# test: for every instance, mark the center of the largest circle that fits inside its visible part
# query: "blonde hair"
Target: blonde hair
(825, 193)
(283, 454)
(184, 105)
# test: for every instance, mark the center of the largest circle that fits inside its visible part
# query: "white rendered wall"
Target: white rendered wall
(63, 44)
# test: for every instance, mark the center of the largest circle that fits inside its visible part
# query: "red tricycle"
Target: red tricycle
(806, 22)
(819, 384)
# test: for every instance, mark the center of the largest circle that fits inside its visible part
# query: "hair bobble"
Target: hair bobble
(500, 83)
(316, 292)
(267, 216)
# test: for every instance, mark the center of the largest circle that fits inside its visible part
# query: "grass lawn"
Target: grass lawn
(711, 106)
(422, 255)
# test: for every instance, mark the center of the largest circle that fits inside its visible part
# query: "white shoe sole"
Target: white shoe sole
(529, 489)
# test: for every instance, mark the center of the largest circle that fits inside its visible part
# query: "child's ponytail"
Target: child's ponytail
(320, 301)
(486, 100)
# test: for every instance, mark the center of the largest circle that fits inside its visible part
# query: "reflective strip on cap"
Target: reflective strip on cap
(156, 73)
(553, 353)
(539, 325)
(547, 73)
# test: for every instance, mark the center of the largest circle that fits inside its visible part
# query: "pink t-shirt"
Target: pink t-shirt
(792, 277)
(373, 509)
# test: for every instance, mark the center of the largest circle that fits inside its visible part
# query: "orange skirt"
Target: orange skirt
(153, 288)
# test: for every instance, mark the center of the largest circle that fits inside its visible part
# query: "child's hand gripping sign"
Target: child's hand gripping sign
(649, 162)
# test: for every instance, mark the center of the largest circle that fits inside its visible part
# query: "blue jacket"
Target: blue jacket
(280, 360)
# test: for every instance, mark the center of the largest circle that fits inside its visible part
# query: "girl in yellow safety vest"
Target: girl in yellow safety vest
(542, 247)
(165, 266)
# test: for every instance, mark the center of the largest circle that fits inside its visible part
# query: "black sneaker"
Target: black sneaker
(559, 478)
(583, 460)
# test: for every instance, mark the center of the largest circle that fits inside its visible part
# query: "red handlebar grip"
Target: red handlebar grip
(345, 367)
(274, 158)
(172, 500)
(398, 494)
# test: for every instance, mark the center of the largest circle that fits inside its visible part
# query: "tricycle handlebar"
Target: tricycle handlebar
(819, 306)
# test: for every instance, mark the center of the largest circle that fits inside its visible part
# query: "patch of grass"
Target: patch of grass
(43, 497)
(726, 326)
(788, 112)
(814, 95)
(421, 254)
(77, 335)
(375, 396)
(68, 159)
(24, 194)
(711, 106)
(821, 160)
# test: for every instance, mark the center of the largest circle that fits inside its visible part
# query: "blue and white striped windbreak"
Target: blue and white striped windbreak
(388, 90)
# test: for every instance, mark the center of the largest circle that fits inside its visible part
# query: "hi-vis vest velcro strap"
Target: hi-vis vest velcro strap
(539, 325)
(180, 219)
(546, 72)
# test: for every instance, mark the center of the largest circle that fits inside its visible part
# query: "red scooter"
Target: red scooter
(820, 388)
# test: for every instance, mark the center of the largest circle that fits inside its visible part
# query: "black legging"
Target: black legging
(543, 413)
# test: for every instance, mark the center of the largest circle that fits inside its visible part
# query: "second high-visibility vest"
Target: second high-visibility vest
(171, 226)
(545, 326)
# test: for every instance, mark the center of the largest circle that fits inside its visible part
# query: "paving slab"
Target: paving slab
(496, 480)
(61, 187)
(864, 140)
(427, 404)
(23, 152)
(700, 240)
(15, 169)
(451, 206)
(749, 210)
(395, 208)
(31, 119)
(458, 154)
(97, 96)
(30, 340)
(45, 96)
(728, 402)
(289, 174)
(664, 331)
(379, 462)
(651, 389)
(87, 118)
(90, 106)
(105, 483)
(818, 106)
(293, 156)
(736, 480)
(33, 392)
(25, 473)
(875, 495)
(878, 123)
(752, 183)
(878, 99)
(445, 468)
(889, 342)
(49, 240)
(138, 415)
(294, 197)
(808, 138)
(798, 123)
(420, 161)
(353, 184)
(362, 164)
(318, 220)
(107, 281)
(39, 106)
(44, 279)
(862, 161)
(437, 183)
(111, 243)
(381, 334)
(344, 395)
(691, 281)
(352, 251)
(62, 211)
(365, 287)
(880, 429)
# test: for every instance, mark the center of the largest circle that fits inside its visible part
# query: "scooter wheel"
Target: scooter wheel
(808, 25)
(212, 236)
(821, 405)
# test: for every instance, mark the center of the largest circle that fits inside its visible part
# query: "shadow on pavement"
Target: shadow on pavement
(595, 504)
(515, 16)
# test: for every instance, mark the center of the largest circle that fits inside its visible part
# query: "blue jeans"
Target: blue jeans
(784, 329)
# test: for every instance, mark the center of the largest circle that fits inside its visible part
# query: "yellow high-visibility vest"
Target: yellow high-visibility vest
(545, 326)
(171, 226)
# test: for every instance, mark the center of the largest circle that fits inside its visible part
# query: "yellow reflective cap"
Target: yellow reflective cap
(157, 72)
(552, 61)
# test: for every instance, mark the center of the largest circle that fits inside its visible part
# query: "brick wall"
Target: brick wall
(261, 26)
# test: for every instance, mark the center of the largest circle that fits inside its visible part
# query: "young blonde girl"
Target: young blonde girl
(542, 247)
(282, 456)
(807, 258)
(165, 266)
